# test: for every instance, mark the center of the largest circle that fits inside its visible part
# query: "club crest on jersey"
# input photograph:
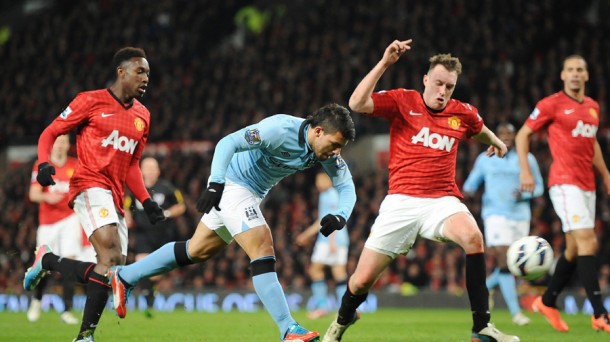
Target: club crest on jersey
(252, 136)
(535, 114)
(454, 122)
(139, 123)
(70, 172)
(65, 113)
(341, 165)
(593, 113)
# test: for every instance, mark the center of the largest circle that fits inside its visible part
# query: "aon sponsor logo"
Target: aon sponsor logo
(434, 140)
(120, 143)
(584, 130)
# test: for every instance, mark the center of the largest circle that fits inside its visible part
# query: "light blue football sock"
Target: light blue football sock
(158, 262)
(319, 290)
(508, 286)
(270, 292)
(492, 280)
(340, 289)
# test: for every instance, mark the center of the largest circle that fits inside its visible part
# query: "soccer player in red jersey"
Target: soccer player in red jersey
(423, 198)
(58, 224)
(571, 120)
(112, 128)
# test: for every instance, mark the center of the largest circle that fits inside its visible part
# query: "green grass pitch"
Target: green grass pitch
(383, 325)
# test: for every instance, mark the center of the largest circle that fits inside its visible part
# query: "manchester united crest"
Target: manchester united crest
(139, 123)
(454, 122)
(593, 113)
(103, 212)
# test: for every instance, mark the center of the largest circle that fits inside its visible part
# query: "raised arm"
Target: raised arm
(361, 101)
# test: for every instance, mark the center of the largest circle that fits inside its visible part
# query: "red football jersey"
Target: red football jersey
(51, 213)
(423, 142)
(571, 128)
(110, 136)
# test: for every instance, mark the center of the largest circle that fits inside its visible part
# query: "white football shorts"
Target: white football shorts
(64, 236)
(574, 206)
(95, 209)
(500, 231)
(322, 254)
(403, 218)
(239, 211)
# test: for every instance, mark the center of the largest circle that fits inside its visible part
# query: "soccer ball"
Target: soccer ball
(529, 257)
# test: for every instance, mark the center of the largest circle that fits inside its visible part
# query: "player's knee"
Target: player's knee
(110, 258)
(360, 284)
(472, 241)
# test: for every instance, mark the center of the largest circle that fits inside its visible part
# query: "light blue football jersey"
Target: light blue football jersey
(258, 156)
(501, 178)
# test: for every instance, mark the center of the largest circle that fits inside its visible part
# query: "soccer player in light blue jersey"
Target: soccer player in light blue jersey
(328, 251)
(245, 166)
(505, 211)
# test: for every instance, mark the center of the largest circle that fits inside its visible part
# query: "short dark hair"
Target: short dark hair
(334, 118)
(126, 54)
(445, 59)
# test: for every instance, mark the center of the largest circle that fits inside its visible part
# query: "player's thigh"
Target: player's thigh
(339, 272)
(448, 219)
(256, 242)
(462, 229)
(574, 207)
(396, 227)
(95, 209)
(316, 271)
(585, 240)
(70, 237)
(369, 268)
(205, 243)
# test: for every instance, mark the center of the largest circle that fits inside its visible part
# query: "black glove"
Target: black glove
(330, 223)
(210, 197)
(154, 212)
(45, 171)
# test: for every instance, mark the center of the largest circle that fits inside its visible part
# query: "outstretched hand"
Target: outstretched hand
(396, 49)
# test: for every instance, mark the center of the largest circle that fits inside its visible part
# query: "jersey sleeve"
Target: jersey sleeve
(73, 116)
(385, 103)
(475, 124)
(339, 173)
(267, 134)
(137, 154)
(541, 116)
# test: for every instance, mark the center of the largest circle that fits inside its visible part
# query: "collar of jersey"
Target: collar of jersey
(303, 134)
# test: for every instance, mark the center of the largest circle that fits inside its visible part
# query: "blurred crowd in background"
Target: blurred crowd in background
(217, 66)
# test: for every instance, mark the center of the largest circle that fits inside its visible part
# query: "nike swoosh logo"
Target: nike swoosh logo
(568, 111)
(414, 113)
(104, 115)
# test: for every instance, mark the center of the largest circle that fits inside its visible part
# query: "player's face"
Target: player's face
(150, 170)
(327, 145)
(133, 75)
(439, 84)
(574, 74)
(507, 136)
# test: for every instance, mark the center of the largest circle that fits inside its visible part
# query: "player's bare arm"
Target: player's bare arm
(522, 146)
(497, 146)
(600, 165)
(361, 101)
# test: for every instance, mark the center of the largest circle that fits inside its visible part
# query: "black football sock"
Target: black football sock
(146, 289)
(349, 303)
(477, 290)
(70, 269)
(97, 296)
(587, 272)
(559, 280)
(68, 295)
(39, 291)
